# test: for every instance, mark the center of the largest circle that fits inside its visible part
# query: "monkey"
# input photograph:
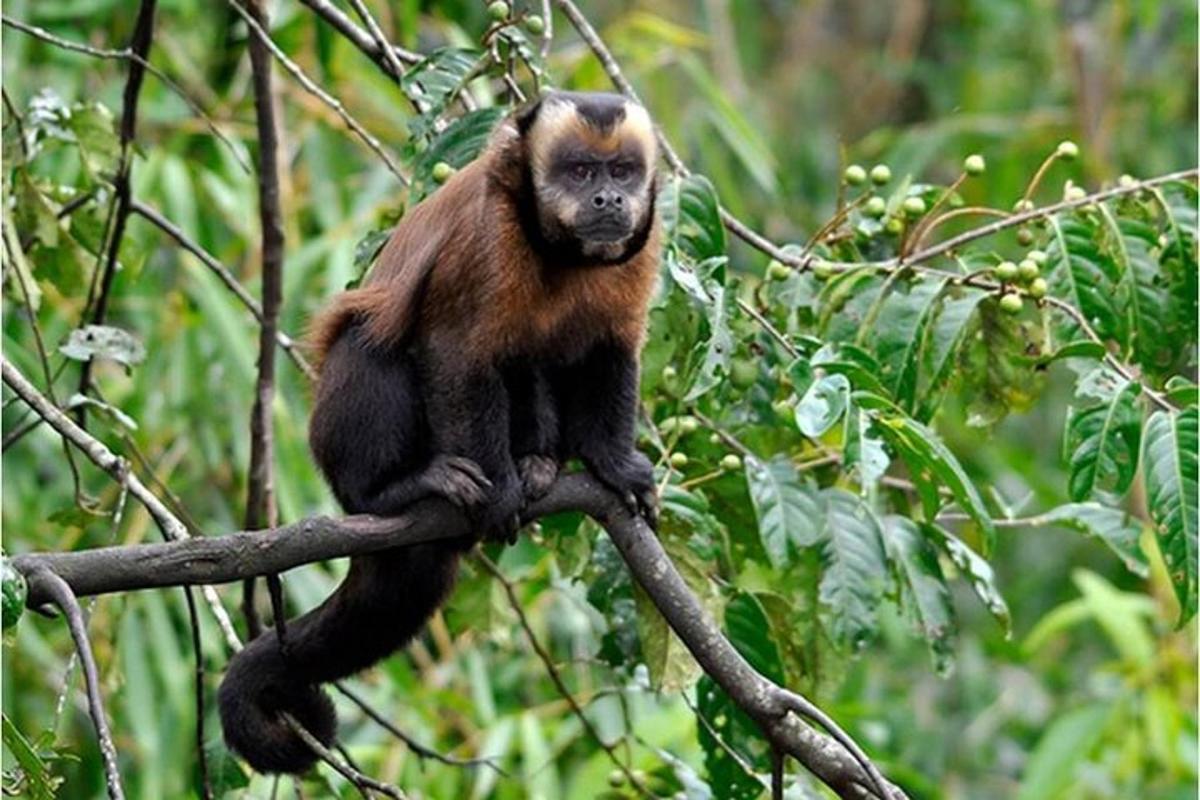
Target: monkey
(497, 336)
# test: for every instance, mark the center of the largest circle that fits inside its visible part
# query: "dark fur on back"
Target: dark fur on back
(471, 363)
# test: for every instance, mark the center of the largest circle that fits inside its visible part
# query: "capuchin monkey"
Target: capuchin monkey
(497, 336)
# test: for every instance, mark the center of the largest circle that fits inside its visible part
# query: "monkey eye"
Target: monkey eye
(581, 173)
(621, 171)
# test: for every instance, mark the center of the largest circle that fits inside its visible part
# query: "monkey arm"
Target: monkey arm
(467, 409)
(598, 397)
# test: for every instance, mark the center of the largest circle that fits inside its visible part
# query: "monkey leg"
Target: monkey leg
(534, 429)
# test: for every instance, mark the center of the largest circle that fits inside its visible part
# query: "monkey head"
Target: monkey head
(590, 176)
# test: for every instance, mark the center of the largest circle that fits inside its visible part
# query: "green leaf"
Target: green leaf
(457, 146)
(899, 336)
(1110, 525)
(788, 512)
(929, 459)
(1103, 441)
(432, 80)
(39, 783)
(976, 570)
(863, 449)
(999, 365)
(1170, 470)
(1133, 247)
(924, 593)
(946, 338)
(854, 571)
(822, 405)
(691, 218)
(719, 344)
(103, 341)
(1178, 255)
(1051, 771)
(1079, 272)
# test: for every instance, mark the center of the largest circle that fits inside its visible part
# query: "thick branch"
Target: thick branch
(236, 556)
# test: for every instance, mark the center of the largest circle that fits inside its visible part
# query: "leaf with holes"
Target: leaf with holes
(1170, 469)
(1177, 257)
(103, 341)
(1133, 245)
(923, 591)
(1103, 442)
(822, 405)
(788, 512)
(854, 571)
(929, 459)
(976, 570)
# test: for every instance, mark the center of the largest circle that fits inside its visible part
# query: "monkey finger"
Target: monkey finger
(471, 469)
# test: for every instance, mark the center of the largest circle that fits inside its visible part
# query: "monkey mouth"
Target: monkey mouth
(605, 232)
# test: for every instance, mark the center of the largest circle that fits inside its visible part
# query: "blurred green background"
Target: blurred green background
(769, 99)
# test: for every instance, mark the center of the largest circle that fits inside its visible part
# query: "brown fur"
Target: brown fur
(460, 264)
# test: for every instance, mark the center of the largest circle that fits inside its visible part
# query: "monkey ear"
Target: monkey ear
(526, 114)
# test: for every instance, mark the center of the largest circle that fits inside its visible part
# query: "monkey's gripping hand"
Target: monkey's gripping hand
(499, 517)
(631, 476)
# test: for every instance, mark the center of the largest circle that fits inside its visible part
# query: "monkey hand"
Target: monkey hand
(537, 475)
(458, 479)
(500, 516)
(632, 478)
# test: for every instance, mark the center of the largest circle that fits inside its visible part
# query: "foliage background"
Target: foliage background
(1092, 695)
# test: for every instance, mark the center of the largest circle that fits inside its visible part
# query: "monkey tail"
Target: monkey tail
(383, 602)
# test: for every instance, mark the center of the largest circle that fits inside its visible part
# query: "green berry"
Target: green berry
(1037, 289)
(822, 271)
(894, 226)
(1027, 270)
(880, 174)
(1024, 236)
(668, 426)
(616, 779)
(1126, 181)
(442, 171)
(669, 373)
(1073, 192)
(782, 407)
(1011, 303)
(855, 175)
(1007, 271)
(679, 460)
(714, 438)
(1067, 150)
(914, 206)
(535, 25)
(498, 11)
(731, 463)
(1037, 256)
(974, 164)
(689, 424)
(1022, 206)
(778, 271)
(14, 591)
(876, 207)
(743, 373)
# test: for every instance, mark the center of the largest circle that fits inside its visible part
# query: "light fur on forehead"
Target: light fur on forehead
(559, 119)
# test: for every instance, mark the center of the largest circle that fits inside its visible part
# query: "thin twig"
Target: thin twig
(57, 589)
(360, 38)
(127, 54)
(420, 750)
(316, 91)
(143, 32)
(363, 783)
(514, 603)
(289, 344)
(201, 755)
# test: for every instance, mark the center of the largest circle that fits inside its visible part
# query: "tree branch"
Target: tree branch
(58, 592)
(360, 38)
(261, 511)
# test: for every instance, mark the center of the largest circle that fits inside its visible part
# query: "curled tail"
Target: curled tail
(379, 607)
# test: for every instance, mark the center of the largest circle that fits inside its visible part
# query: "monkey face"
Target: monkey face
(592, 159)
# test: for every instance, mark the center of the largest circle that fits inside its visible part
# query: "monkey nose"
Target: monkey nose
(608, 198)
